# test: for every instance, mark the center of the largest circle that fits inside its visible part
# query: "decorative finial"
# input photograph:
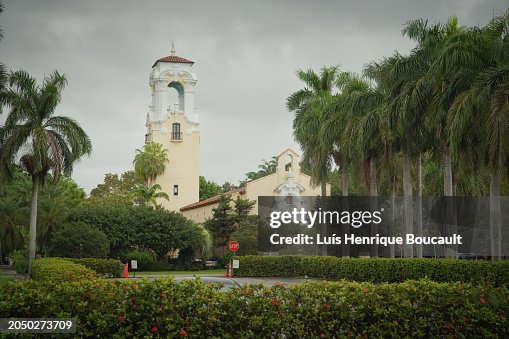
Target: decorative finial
(172, 48)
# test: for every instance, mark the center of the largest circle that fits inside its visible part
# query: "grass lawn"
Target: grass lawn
(211, 271)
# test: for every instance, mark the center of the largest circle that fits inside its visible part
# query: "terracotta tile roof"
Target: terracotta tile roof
(173, 58)
(212, 200)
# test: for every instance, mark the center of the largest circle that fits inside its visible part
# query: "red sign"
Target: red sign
(233, 246)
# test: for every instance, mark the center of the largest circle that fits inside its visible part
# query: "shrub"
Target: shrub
(78, 240)
(185, 260)
(106, 267)
(376, 270)
(20, 262)
(145, 259)
(58, 270)
(163, 308)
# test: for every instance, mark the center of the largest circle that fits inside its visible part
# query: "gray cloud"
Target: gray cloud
(246, 55)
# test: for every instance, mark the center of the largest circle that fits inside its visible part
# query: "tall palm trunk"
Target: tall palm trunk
(345, 248)
(407, 203)
(373, 192)
(392, 228)
(495, 218)
(33, 223)
(448, 191)
(418, 222)
(324, 207)
(344, 176)
(449, 203)
(344, 182)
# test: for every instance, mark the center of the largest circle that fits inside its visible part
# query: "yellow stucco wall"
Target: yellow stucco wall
(265, 186)
(184, 162)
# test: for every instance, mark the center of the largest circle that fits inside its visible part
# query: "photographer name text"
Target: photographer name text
(352, 239)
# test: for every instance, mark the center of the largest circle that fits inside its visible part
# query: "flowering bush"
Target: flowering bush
(376, 269)
(164, 308)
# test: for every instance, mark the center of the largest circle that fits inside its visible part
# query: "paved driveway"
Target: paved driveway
(269, 282)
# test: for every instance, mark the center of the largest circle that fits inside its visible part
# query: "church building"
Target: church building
(177, 127)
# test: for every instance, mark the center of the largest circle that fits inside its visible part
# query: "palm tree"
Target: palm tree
(312, 108)
(148, 195)
(444, 85)
(150, 162)
(42, 141)
(350, 86)
(264, 169)
(479, 116)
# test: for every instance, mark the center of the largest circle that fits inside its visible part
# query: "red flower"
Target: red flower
(163, 295)
(275, 302)
(483, 301)
(327, 282)
(501, 316)
(183, 332)
(133, 299)
(154, 329)
(447, 326)
(325, 305)
(322, 335)
(120, 317)
(350, 334)
(366, 290)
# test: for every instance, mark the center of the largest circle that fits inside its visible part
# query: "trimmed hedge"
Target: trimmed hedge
(57, 270)
(105, 267)
(163, 308)
(146, 260)
(376, 269)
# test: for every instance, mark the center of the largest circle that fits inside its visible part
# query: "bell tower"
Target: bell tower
(176, 126)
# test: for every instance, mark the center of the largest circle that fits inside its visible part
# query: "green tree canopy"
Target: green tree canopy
(115, 190)
(208, 189)
(79, 240)
(226, 218)
(132, 227)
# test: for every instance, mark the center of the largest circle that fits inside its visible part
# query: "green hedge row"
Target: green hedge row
(105, 267)
(57, 270)
(164, 308)
(376, 269)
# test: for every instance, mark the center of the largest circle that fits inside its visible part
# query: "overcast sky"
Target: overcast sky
(245, 52)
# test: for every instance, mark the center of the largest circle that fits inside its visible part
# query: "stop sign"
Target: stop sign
(233, 246)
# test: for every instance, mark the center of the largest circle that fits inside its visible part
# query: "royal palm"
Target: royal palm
(37, 139)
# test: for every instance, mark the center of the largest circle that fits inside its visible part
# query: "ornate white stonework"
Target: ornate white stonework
(290, 188)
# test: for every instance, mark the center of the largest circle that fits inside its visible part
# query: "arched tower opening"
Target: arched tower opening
(175, 95)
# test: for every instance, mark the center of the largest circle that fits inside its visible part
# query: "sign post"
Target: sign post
(134, 266)
(234, 247)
